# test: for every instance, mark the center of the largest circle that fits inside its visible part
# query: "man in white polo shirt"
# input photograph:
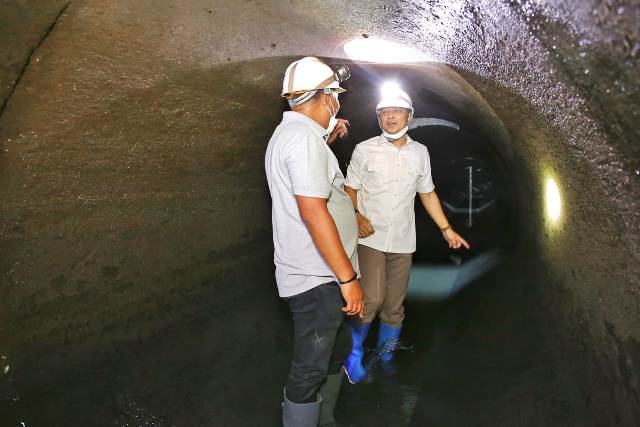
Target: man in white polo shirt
(315, 236)
(383, 177)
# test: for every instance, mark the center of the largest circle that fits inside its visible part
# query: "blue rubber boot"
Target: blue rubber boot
(388, 339)
(353, 366)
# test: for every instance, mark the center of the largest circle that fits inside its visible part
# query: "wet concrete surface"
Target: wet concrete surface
(136, 275)
(24, 26)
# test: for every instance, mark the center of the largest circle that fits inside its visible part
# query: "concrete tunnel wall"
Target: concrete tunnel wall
(133, 195)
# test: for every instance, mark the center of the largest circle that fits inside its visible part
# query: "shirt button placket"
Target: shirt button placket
(397, 170)
(395, 184)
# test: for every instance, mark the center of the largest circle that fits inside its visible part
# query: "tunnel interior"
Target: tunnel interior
(135, 234)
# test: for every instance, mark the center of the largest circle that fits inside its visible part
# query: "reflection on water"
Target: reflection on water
(134, 415)
(409, 394)
(389, 394)
(6, 367)
(442, 281)
(373, 360)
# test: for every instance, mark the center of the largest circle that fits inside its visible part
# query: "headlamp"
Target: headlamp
(393, 96)
(341, 72)
(390, 89)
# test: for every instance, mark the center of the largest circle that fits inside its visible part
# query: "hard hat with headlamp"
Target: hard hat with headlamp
(394, 97)
(306, 76)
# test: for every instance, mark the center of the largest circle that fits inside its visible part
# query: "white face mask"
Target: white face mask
(397, 135)
(332, 120)
(332, 124)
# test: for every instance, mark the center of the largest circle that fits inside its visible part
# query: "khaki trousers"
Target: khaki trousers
(384, 281)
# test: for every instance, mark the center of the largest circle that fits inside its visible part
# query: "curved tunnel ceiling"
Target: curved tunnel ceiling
(134, 205)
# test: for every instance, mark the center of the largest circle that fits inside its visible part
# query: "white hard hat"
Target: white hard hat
(393, 96)
(310, 74)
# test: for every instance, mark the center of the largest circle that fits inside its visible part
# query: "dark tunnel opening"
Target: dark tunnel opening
(135, 249)
(469, 160)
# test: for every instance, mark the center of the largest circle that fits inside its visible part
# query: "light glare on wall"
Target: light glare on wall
(382, 51)
(553, 202)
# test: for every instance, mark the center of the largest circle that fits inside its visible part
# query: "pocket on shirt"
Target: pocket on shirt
(375, 175)
(412, 176)
(375, 168)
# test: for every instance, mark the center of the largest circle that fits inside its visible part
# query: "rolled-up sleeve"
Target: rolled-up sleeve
(307, 166)
(425, 182)
(355, 170)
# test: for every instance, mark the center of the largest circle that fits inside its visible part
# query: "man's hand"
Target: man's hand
(454, 239)
(339, 131)
(352, 294)
(365, 228)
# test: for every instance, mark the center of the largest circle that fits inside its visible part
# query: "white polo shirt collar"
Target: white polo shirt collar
(294, 116)
(383, 141)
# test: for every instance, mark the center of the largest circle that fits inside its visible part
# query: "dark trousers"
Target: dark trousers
(321, 340)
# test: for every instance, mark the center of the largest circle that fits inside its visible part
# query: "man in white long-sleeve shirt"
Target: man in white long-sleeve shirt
(383, 178)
